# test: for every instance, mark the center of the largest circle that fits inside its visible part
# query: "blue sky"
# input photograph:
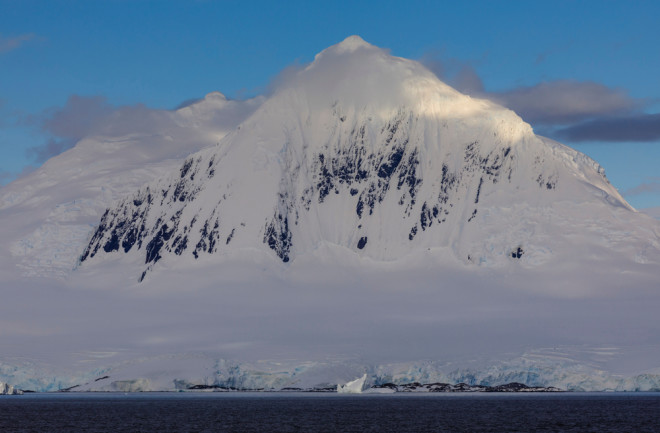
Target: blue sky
(585, 73)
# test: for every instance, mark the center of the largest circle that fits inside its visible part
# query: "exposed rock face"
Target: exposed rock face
(463, 387)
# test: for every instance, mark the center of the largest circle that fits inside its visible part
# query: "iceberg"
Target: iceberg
(353, 387)
(7, 389)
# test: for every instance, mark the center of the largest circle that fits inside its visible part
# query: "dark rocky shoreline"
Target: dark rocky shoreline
(406, 387)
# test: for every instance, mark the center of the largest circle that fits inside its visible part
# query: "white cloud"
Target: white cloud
(651, 186)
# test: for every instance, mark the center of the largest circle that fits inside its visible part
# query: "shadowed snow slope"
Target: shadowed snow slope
(363, 217)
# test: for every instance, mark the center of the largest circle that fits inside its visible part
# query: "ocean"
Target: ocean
(317, 412)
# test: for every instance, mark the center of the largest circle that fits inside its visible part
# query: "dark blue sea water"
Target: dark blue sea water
(287, 412)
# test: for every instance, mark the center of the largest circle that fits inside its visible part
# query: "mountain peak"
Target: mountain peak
(351, 44)
(358, 75)
(215, 95)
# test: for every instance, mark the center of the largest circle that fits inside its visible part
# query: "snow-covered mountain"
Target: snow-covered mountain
(363, 218)
(51, 211)
(374, 154)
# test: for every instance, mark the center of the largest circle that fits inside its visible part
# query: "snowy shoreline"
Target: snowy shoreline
(387, 388)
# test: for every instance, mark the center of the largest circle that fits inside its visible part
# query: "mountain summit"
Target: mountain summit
(372, 153)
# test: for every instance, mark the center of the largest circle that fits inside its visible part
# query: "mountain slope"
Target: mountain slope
(52, 210)
(374, 154)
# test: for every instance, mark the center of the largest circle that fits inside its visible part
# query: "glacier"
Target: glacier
(196, 372)
(363, 218)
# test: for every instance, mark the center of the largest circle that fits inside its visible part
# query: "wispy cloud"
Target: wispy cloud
(80, 117)
(84, 116)
(8, 44)
(543, 56)
(52, 147)
(636, 127)
(650, 187)
(459, 74)
(9, 176)
(88, 116)
(284, 77)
